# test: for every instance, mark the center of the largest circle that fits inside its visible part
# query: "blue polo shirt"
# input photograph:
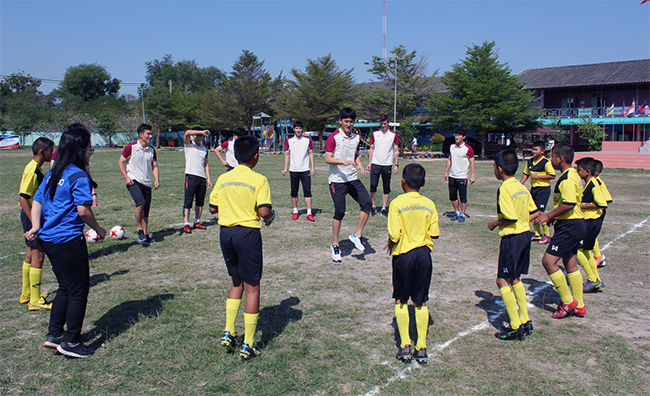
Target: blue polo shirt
(60, 220)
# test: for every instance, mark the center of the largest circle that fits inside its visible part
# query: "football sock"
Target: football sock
(309, 211)
(575, 280)
(596, 249)
(402, 319)
(422, 324)
(520, 295)
(561, 285)
(511, 306)
(35, 275)
(250, 325)
(295, 210)
(196, 221)
(232, 309)
(547, 232)
(583, 259)
(26, 268)
(538, 231)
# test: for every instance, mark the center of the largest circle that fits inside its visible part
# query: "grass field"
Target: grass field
(155, 314)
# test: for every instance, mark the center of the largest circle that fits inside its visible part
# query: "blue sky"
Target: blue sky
(44, 38)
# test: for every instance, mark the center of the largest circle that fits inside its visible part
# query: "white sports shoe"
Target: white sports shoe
(336, 253)
(357, 242)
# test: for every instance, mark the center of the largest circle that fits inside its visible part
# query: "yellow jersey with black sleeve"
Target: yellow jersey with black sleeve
(603, 187)
(32, 178)
(567, 191)
(238, 194)
(541, 166)
(515, 204)
(412, 222)
(593, 194)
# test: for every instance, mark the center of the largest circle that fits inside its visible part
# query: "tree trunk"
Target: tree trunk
(483, 143)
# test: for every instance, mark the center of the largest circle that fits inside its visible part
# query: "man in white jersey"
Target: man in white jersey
(137, 163)
(342, 154)
(384, 147)
(461, 156)
(229, 147)
(299, 152)
(197, 176)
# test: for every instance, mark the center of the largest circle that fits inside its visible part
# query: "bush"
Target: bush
(437, 139)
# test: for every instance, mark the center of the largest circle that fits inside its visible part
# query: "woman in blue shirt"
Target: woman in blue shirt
(63, 205)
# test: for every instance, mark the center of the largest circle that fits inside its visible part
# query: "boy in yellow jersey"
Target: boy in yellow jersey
(593, 203)
(33, 265)
(515, 209)
(242, 198)
(412, 226)
(569, 229)
(540, 171)
(601, 260)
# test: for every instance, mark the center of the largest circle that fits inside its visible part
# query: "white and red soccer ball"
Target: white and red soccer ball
(92, 236)
(117, 232)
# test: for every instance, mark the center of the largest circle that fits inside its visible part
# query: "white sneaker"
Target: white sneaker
(357, 242)
(336, 253)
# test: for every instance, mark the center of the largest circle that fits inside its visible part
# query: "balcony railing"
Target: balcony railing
(582, 112)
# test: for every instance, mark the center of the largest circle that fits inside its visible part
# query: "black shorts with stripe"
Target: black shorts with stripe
(514, 255)
(195, 188)
(412, 275)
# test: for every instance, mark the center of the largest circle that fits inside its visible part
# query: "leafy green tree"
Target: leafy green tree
(22, 105)
(482, 94)
(315, 95)
(107, 126)
(85, 83)
(592, 133)
(185, 75)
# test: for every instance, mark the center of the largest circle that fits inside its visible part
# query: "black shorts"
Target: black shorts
(412, 275)
(458, 187)
(27, 225)
(541, 196)
(566, 238)
(195, 187)
(375, 172)
(141, 195)
(357, 191)
(242, 251)
(514, 256)
(296, 179)
(592, 229)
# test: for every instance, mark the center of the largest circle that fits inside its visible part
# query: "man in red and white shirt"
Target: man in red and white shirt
(197, 176)
(299, 152)
(137, 163)
(342, 155)
(384, 147)
(229, 147)
(461, 156)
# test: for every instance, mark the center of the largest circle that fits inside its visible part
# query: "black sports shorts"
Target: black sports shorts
(592, 229)
(357, 191)
(380, 170)
(541, 196)
(458, 187)
(514, 255)
(141, 195)
(195, 187)
(412, 275)
(242, 251)
(296, 179)
(27, 225)
(566, 238)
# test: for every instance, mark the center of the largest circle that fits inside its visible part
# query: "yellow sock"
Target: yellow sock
(250, 325)
(596, 249)
(592, 263)
(422, 324)
(583, 259)
(35, 275)
(520, 295)
(538, 231)
(232, 310)
(547, 232)
(561, 285)
(402, 319)
(575, 280)
(511, 306)
(26, 291)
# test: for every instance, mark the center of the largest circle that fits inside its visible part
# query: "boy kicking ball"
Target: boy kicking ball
(412, 226)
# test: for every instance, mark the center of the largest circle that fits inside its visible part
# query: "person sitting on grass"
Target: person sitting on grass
(412, 226)
(541, 172)
(515, 209)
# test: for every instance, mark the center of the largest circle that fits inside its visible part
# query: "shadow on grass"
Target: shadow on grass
(493, 306)
(120, 318)
(347, 248)
(103, 277)
(413, 329)
(545, 296)
(273, 320)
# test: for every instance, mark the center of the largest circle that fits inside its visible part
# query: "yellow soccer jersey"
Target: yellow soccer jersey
(32, 178)
(514, 202)
(608, 196)
(568, 191)
(593, 194)
(540, 167)
(412, 222)
(238, 194)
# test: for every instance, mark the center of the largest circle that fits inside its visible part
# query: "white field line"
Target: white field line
(13, 254)
(485, 324)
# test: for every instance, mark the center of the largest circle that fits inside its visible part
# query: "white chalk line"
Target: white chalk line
(492, 315)
(13, 254)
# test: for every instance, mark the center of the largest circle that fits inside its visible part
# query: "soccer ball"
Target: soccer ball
(92, 236)
(117, 232)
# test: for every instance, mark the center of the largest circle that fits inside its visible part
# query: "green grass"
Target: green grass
(155, 314)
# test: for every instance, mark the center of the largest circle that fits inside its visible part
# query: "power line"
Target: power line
(51, 80)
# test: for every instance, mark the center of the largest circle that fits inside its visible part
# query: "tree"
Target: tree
(185, 75)
(107, 126)
(592, 133)
(483, 95)
(85, 83)
(249, 89)
(316, 95)
(22, 105)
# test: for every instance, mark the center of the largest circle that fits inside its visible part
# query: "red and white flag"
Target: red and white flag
(630, 110)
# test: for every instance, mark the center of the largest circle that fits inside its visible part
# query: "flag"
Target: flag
(630, 110)
(610, 111)
(639, 110)
(644, 1)
(644, 109)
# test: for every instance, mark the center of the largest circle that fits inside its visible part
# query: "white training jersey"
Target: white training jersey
(139, 162)
(344, 148)
(195, 158)
(298, 153)
(460, 160)
(229, 146)
(384, 142)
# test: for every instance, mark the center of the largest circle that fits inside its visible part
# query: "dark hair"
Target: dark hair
(245, 148)
(540, 144)
(144, 127)
(564, 150)
(239, 132)
(383, 117)
(599, 165)
(460, 131)
(347, 112)
(72, 142)
(508, 161)
(414, 175)
(75, 125)
(42, 143)
(196, 128)
(298, 124)
(587, 163)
